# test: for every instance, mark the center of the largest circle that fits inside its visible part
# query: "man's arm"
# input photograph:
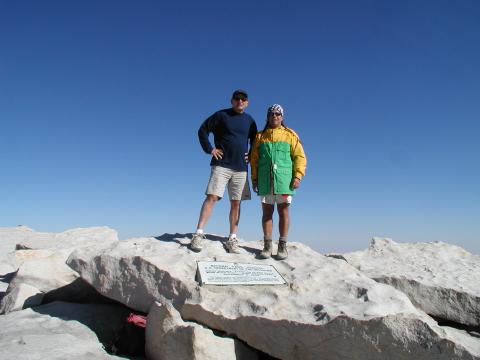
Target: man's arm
(252, 133)
(205, 129)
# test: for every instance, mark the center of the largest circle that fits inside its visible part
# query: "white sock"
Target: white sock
(199, 231)
(232, 236)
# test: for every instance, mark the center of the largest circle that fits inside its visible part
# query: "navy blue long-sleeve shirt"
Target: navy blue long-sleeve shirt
(231, 133)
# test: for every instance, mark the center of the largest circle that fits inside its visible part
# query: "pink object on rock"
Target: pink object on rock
(137, 320)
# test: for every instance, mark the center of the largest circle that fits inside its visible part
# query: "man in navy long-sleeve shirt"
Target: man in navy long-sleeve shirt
(232, 129)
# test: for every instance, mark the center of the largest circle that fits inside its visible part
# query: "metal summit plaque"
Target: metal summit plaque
(228, 273)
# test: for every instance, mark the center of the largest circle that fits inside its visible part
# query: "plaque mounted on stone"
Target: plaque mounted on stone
(228, 273)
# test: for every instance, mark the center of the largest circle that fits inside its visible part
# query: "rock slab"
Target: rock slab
(441, 279)
(58, 331)
(168, 337)
(39, 266)
(328, 310)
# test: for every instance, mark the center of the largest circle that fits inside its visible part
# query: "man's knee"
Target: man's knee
(235, 204)
(212, 198)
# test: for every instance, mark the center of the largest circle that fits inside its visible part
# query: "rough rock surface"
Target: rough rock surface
(7, 273)
(441, 279)
(59, 331)
(41, 272)
(328, 310)
(11, 236)
(41, 268)
(168, 337)
(8, 241)
(22, 237)
(20, 296)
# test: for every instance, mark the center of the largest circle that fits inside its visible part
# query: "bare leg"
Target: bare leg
(267, 220)
(206, 211)
(284, 221)
(234, 215)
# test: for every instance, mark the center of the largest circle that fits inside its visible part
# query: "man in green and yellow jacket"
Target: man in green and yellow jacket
(278, 165)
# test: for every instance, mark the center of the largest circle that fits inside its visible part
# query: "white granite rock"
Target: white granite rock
(6, 275)
(328, 309)
(58, 331)
(441, 279)
(22, 237)
(11, 236)
(42, 266)
(20, 296)
(40, 271)
(8, 241)
(168, 337)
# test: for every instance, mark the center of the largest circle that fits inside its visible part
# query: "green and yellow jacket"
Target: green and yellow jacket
(277, 157)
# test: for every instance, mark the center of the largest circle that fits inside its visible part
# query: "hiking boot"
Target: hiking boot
(197, 242)
(267, 250)
(232, 245)
(282, 253)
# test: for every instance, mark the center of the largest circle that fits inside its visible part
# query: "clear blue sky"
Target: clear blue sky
(100, 102)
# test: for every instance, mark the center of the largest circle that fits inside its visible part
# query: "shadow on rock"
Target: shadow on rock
(252, 250)
(78, 291)
(107, 321)
(208, 237)
(107, 318)
(175, 238)
(471, 330)
(6, 278)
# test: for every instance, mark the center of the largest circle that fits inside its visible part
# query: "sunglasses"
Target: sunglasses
(275, 114)
(242, 98)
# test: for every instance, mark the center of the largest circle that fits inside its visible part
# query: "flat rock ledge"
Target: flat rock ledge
(441, 279)
(329, 309)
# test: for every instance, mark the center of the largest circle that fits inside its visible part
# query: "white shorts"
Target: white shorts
(237, 181)
(277, 198)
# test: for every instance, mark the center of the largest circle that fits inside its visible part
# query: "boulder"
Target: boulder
(20, 296)
(441, 279)
(7, 273)
(328, 310)
(39, 267)
(60, 331)
(11, 236)
(168, 337)
(40, 271)
(25, 238)
(8, 241)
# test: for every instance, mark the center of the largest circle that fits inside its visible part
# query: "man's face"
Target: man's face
(239, 103)
(275, 119)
